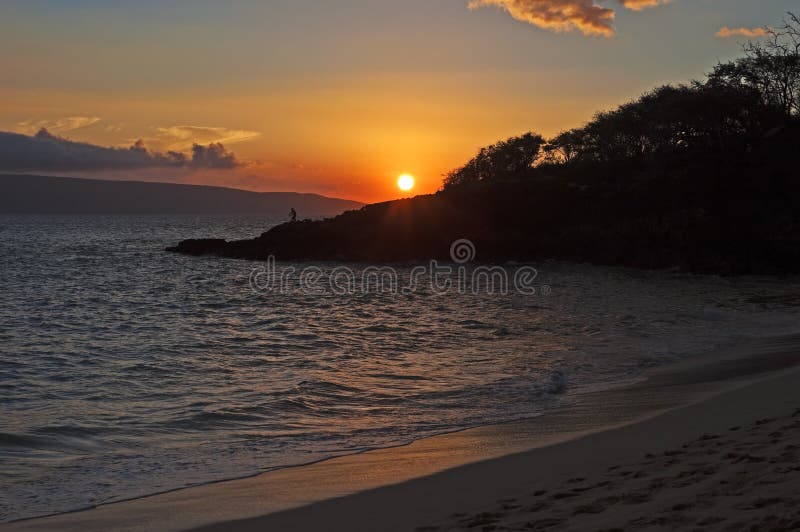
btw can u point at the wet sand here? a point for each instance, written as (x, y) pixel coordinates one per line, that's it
(703, 440)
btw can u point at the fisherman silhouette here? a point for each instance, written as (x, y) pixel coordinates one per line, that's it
(293, 215)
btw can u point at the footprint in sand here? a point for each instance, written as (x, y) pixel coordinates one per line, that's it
(594, 508)
(542, 524)
(761, 502)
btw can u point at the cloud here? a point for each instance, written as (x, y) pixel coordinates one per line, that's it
(59, 125)
(183, 137)
(638, 5)
(585, 16)
(212, 156)
(50, 153)
(557, 15)
(727, 32)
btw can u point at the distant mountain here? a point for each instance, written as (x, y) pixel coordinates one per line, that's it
(31, 194)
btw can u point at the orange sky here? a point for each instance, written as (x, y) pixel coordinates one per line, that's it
(348, 136)
(341, 98)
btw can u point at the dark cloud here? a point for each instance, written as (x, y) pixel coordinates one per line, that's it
(47, 152)
(212, 156)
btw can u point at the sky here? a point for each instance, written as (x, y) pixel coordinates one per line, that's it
(337, 97)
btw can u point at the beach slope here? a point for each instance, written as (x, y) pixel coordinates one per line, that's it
(730, 462)
(712, 445)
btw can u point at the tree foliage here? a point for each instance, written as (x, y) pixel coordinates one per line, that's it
(730, 112)
(770, 68)
(506, 160)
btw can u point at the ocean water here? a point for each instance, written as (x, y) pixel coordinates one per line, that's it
(127, 371)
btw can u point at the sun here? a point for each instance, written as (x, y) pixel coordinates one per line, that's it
(405, 182)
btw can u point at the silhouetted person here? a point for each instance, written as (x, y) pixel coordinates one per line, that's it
(293, 215)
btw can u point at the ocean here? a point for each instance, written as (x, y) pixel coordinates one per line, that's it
(126, 370)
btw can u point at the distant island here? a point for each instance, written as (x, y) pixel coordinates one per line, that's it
(702, 177)
(33, 194)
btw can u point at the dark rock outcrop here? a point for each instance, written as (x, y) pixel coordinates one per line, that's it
(725, 223)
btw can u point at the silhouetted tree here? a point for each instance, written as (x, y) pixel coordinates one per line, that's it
(564, 148)
(507, 160)
(730, 112)
(771, 68)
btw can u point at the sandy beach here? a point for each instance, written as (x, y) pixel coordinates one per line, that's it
(739, 479)
(709, 445)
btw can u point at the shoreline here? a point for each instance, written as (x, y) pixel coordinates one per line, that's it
(265, 497)
(727, 462)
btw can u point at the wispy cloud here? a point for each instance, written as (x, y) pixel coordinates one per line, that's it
(50, 153)
(586, 16)
(184, 136)
(58, 125)
(727, 32)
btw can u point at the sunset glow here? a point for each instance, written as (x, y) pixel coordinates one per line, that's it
(326, 251)
(405, 182)
(339, 99)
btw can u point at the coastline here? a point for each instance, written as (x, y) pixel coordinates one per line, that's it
(464, 471)
(726, 462)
